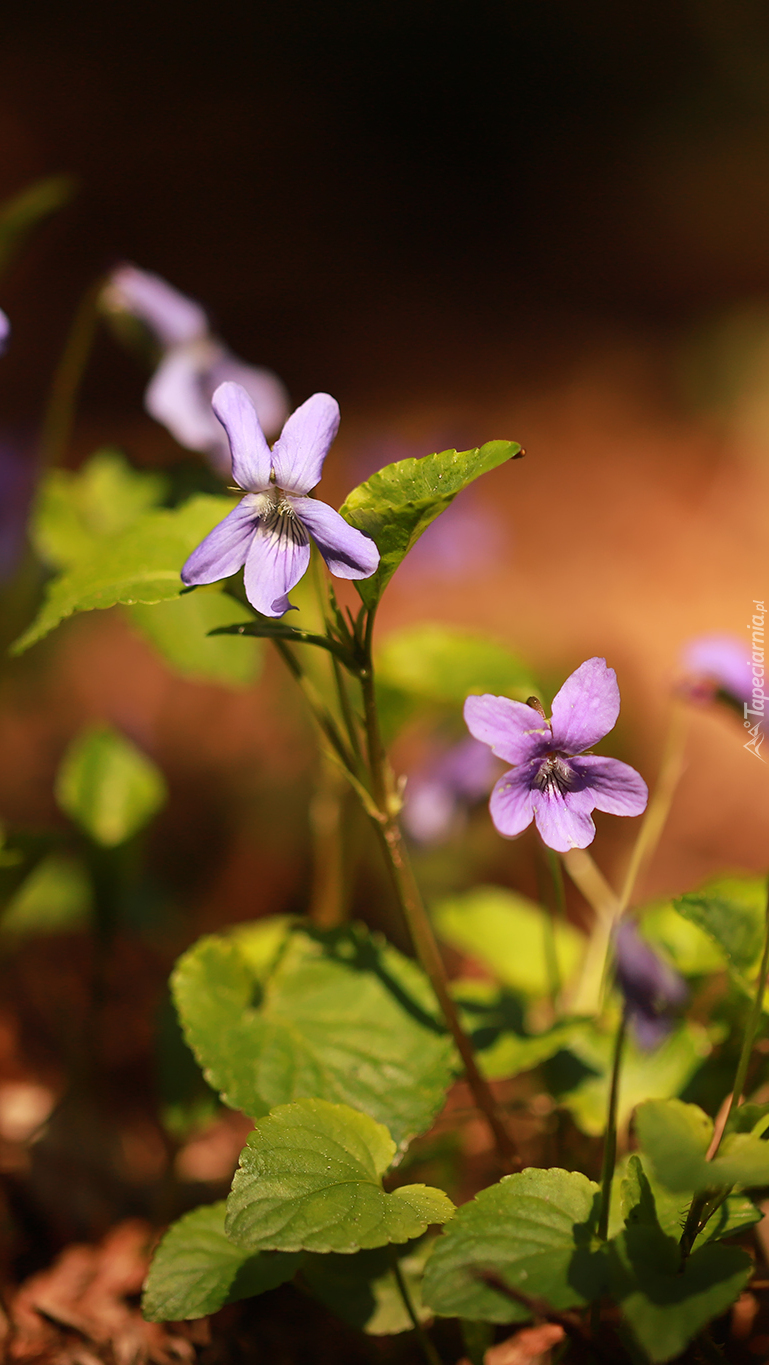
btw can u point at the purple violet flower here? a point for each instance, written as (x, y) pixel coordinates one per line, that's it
(269, 530)
(192, 366)
(653, 991)
(718, 663)
(437, 796)
(5, 331)
(554, 781)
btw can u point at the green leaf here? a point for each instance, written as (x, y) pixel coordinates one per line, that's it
(197, 1269)
(535, 1231)
(439, 663)
(274, 1014)
(731, 911)
(362, 1290)
(675, 1137)
(643, 1199)
(508, 934)
(399, 502)
(690, 949)
(495, 1021)
(186, 632)
(658, 1074)
(310, 1179)
(75, 512)
(55, 897)
(108, 786)
(666, 1304)
(141, 564)
(20, 214)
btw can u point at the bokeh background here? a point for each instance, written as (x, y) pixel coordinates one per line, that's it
(548, 222)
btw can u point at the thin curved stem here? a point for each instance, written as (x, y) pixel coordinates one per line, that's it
(68, 376)
(428, 1349)
(658, 809)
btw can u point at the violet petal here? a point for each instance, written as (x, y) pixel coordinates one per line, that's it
(174, 397)
(511, 803)
(224, 549)
(514, 731)
(304, 442)
(722, 660)
(277, 559)
(251, 459)
(348, 553)
(172, 316)
(586, 708)
(265, 390)
(563, 819)
(5, 331)
(615, 787)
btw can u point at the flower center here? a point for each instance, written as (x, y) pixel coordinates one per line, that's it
(281, 521)
(555, 774)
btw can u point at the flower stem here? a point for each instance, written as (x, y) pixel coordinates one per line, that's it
(428, 1350)
(610, 1140)
(699, 1212)
(587, 995)
(658, 809)
(68, 376)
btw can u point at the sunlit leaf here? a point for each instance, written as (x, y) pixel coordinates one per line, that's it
(440, 663)
(196, 1269)
(675, 1137)
(55, 897)
(310, 1179)
(108, 786)
(658, 1074)
(399, 502)
(75, 511)
(181, 632)
(510, 935)
(732, 912)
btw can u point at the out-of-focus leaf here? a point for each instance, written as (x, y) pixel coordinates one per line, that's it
(181, 632)
(731, 911)
(534, 1230)
(509, 935)
(399, 502)
(108, 786)
(76, 511)
(310, 1179)
(20, 214)
(362, 1290)
(141, 564)
(275, 1014)
(440, 663)
(675, 1137)
(197, 1269)
(56, 896)
(658, 1074)
(691, 950)
(495, 1021)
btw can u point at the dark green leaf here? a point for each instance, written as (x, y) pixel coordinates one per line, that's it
(399, 502)
(731, 911)
(141, 564)
(310, 1179)
(644, 1199)
(197, 1269)
(273, 1014)
(263, 628)
(495, 1020)
(362, 1290)
(108, 786)
(534, 1230)
(183, 632)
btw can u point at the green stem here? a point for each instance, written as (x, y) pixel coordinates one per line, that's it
(324, 719)
(428, 1349)
(699, 1213)
(610, 1140)
(68, 377)
(658, 809)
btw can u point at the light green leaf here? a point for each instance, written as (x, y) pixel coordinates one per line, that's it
(341, 1016)
(675, 1137)
(439, 663)
(690, 949)
(495, 1021)
(75, 511)
(665, 1304)
(180, 631)
(399, 502)
(362, 1290)
(141, 564)
(658, 1074)
(310, 1179)
(108, 786)
(731, 911)
(508, 934)
(21, 213)
(534, 1230)
(56, 896)
(197, 1269)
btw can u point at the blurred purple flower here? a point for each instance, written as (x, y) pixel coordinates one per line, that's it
(718, 664)
(5, 331)
(17, 480)
(269, 530)
(439, 794)
(193, 364)
(554, 782)
(652, 990)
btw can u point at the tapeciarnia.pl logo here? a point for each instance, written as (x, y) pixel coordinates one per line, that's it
(755, 708)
